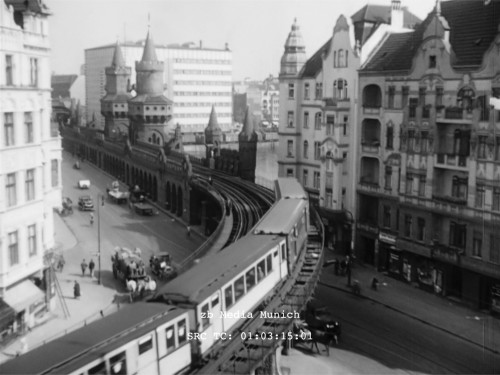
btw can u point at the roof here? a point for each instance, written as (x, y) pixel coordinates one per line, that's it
(143, 98)
(61, 85)
(149, 50)
(214, 271)
(377, 13)
(314, 65)
(136, 319)
(36, 6)
(473, 27)
(117, 57)
(286, 187)
(281, 218)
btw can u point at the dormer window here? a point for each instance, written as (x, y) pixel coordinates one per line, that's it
(432, 61)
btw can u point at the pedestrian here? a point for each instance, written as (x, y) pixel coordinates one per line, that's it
(84, 267)
(76, 290)
(91, 267)
(91, 218)
(61, 263)
(188, 231)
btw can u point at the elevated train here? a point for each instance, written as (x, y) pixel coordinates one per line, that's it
(178, 326)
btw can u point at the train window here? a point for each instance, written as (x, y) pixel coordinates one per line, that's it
(98, 370)
(170, 336)
(145, 344)
(261, 270)
(275, 254)
(215, 301)
(205, 320)
(250, 278)
(118, 364)
(239, 288)
(228, 294)
(269, 264)
(283, 252)
(181, 331)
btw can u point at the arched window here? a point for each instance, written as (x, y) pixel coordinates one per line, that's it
(317, 121)
(465, 98)
(340, 89)
(340, 58)
(334, 59)
(306, 150)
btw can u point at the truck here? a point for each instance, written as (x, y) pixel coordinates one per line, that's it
(117, 196)
(128, 264)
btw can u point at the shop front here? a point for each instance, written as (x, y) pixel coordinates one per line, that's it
(387, 252)
(337, 230)
(367, 243)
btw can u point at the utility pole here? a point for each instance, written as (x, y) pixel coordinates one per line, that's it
(99, 236)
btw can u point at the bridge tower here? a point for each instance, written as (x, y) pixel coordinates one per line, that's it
(248, 139)
(149, 111)
(213, 138)
(114, 105)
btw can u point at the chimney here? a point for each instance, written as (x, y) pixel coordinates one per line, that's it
(227, 46)
(201, 44)
(396, 14)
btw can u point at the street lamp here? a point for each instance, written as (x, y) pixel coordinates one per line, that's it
(352, 231)
(99, 198)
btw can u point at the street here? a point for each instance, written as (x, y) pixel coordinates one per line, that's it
(119, 226)
(400, 342)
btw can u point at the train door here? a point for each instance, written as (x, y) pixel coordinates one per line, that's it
(216, 312)
(283, 259)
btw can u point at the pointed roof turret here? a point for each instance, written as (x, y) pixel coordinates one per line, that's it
(294, 57)
(248, 130)
(213, 124)
(213, 131)
(149, 53)
(118, 60)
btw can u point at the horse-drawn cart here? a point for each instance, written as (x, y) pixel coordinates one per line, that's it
(161, 266)
(117, 196)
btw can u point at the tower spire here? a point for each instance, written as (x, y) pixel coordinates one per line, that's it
(118, 57)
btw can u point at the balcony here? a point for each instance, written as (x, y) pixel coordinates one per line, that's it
(449, 199)
(371, 111)
(451, 161)
(371, 147)
(449, 254)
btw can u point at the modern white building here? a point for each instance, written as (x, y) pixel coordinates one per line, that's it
(30, 164)
(196, 79)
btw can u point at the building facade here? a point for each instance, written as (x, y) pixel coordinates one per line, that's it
(428, 195)
(195, 78)
(30, 164)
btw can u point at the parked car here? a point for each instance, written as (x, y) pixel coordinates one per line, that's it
(84, 184)
(67, 206)
(85, 203)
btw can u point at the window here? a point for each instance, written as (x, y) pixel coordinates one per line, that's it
(439, 97)
(465, 98)
(118, 364)
(205, 320)
(10, 188)
(306, 91)
(98, 369)
(269, 262)
(340, 56)
(421, 185)
(9, 128)
(397, 219)
(317, 121)
(283, 252)
(496, 199)
(145, 344)
(390, 138)
(239, 288)
(33, 71)
(228, 296)
(306, 120)
(457, 234)
(170, 338)
(261, 270)
(28, 127)
(421, 96)
(181, 331)
(408, 222)
(424, 142)
(420, 229)
(390, 99)
(387, 216)
(316, 182)
(54, 168)
(404, 95)
(459, 187)
(480, 189)
(9, 69)
(388, 178)
(481, 146)
(432, 61)
(411, 140)
(340, 89)
(30, 184)
(494, 248)
(477, 244)
(409, 183)
(13, 249)
(497, 148)
(317, 150)
(306, 150)
(291, 91)
(305, 177)
(289, 172)
(32, 239)
(289, 148)
(413, 107)
(319, 90)
(250, 278)
(290, 119)
(330, 122)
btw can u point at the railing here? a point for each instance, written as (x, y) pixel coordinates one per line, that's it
(454, 113)
(371, 110)
(451, 160)
(450, 199)
(371, 147)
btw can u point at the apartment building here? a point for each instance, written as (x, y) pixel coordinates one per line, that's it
(428, 193)
(195, 78)
(30, 165)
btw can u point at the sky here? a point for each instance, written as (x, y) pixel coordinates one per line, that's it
(256, 30)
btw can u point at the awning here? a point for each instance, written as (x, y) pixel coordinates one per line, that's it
(338, 216)
(22, 295)
(7, 314)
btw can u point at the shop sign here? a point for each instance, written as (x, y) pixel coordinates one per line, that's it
(388, 238)
(368, 228)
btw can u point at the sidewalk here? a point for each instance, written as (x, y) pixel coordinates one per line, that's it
(94, 298)
(471, 325)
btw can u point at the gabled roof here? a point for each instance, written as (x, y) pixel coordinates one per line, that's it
(376, 13)
(473, 27)
(315, 63)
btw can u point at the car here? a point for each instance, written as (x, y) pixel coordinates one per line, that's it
(318, 317)
(85, 203)
(144, 209)
(84, 184)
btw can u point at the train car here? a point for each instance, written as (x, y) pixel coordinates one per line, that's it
(289, 188)
(144, 338)
(225, 287)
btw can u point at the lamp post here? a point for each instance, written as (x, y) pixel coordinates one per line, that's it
(352, 232)
(99, 236)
